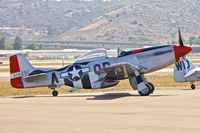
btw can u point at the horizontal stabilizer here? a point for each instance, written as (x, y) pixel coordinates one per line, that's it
(191, 72)
(35, 75)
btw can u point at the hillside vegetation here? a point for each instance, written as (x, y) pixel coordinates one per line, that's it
(121, 20)
(152, 20)
(45, 20)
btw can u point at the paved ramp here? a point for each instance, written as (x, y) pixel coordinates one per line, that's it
(165, 111)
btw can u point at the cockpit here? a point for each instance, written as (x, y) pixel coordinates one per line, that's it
(100, 54)
(94, 55)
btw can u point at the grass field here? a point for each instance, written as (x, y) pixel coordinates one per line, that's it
(159, 80)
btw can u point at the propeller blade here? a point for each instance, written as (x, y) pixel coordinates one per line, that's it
(180, 38)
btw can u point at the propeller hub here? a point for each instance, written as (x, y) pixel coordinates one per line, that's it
(179, 51)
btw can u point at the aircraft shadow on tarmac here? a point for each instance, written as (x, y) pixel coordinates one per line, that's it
(23, 97)
(111, 96)
(105, 96)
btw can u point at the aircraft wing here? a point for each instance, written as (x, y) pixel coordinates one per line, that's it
(119, 71)
(191, 72)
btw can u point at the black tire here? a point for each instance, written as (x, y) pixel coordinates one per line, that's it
(193, 86)
(152, 87)
(145, 92)
(55, 93)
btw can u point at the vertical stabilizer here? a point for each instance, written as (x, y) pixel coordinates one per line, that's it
(19, 67)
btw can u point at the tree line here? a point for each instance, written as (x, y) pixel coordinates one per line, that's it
(17, 44)
(194, 40)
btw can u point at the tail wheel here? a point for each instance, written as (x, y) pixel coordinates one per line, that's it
(152, 88)
(193, 86)
(55, 93)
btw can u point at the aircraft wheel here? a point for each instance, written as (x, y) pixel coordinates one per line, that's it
(146, 91)
(193, 86)
(55, 93)
(152, 88)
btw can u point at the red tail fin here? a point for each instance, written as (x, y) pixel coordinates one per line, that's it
(15, 75)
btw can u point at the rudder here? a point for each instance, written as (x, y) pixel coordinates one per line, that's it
(19, 68)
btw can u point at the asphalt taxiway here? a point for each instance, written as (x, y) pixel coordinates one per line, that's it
(167, 110)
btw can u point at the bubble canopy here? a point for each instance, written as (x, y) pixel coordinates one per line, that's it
(96, 54)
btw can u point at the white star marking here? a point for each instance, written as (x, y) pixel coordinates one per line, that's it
(75, 72)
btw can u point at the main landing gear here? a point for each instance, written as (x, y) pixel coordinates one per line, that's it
(150, 89)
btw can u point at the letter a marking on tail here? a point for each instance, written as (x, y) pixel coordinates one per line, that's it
(54, 78)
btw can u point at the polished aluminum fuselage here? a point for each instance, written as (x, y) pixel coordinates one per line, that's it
(149, 60)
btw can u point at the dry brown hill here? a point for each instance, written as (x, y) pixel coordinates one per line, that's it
(155, 20)
(46, 19)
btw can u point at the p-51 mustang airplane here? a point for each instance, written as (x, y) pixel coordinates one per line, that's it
(186, 71)
(96, 70)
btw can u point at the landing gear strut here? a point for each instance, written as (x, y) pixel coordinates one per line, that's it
(193, 86)
(148, 90)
